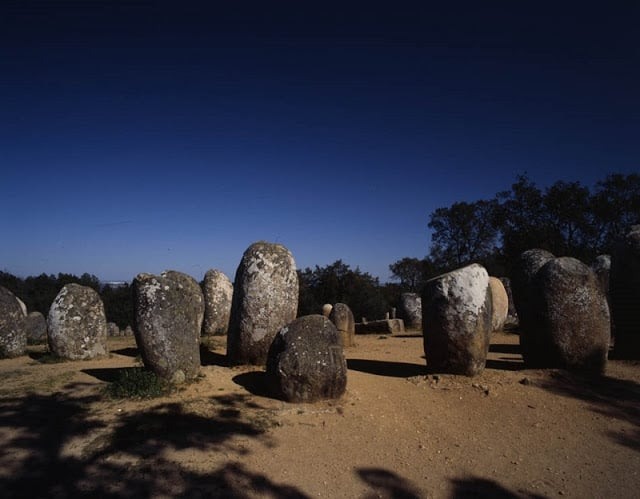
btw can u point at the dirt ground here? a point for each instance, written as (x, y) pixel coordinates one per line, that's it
(397, 433)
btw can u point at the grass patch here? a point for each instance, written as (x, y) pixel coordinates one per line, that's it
(138, 383)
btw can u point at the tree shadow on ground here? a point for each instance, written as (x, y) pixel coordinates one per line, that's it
(57, 446)
(109, 374)
(387, 484)
(505, 364)
(504, 348)
(386, 368)
(481, 488)
(611, 397)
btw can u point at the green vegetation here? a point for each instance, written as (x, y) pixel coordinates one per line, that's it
(138, 383)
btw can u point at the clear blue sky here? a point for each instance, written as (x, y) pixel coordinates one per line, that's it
(142, 136)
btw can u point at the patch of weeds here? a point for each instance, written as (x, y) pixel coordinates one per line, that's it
(138, 383)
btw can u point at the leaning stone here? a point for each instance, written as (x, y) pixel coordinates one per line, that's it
(218, 292)
(624, 292)
(342, 318)
(168, 314)
(36, 328)
(411, 311)
(326, 309)
(500, 304)
(13, 337)
(524, 295)
(456, 310)
(265, 298)
(77, 324)
(575, 329)
(306, 362)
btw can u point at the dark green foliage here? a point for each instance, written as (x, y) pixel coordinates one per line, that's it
(567, 219)
(39, 292)
(137, 383)
(338, 283)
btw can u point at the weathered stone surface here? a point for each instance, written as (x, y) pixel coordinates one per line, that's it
(265, 298)
(218, 292)
(342, 318)
(168, 312)
(524, 296)
(624, 293)
(574, 330)
(385, 326)
(500, 303)
(306, 362)
(13, 337)
(128, 331)
(35, 326)
(456, 309)
(113, 329)
(411, 311)
(326, 309)
(602, 268)
(77, 324)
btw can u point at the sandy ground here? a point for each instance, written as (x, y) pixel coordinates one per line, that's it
(397, 433)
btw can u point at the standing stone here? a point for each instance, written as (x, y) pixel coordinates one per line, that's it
(218, 292)
(624, 292)
(411, 311)
(524, 295)
(512, 315)
(574, 330)
(500, 303)
(342, 318)
(326, 309)
(169, 309)
(306, 362)
(77, 324)
(456, 310)
(35, 326)
(265, 298)
(23, 307)
(113, 329)
(13, 337)
(128, 331)
(602, 267)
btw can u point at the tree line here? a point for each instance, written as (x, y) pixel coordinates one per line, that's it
(566, 218)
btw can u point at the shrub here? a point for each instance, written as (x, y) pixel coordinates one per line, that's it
(138, 383)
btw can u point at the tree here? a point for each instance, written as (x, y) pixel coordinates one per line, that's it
(463, 233)
(412, 273)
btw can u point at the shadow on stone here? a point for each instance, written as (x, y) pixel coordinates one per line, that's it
(384, 368)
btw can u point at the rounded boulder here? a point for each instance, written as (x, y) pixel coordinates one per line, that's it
(77, 324)
(306, 362)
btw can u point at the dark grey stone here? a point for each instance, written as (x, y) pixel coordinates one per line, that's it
(169, 309)
(574, 329)
(13, 337)
(456, 309)
(411, 311)
(36, 328)
(77, 324)
(342, 318)
(624, 293)
(265, 298)
(306, 362)
(218, 292)
(524, 296)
